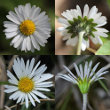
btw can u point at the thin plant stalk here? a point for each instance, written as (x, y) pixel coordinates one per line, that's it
(84, 101)
(81, 34)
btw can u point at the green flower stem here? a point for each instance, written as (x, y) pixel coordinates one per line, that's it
(81, 34)
(6, 83)
(84, 101)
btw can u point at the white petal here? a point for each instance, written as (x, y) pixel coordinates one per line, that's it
(45, 77)
(70, 72)
(85, 69)
(14, 95)
(81, 71)
(18, 42)
(35, 43)
(84, 45)
(20, 97)
(86, 10)
(40, 70)
(35, 97)
(45, 84)
(67, 78)
(38, 39)
(11, 34)
(26, 101)
(12, 29)
(42, 89)
(72, 41)
(11, 76)
(103, 73)
(15, 39)
(28, 43)
(11, 89)
(89, 68)
(99, 33)
(94, 40)
(24, 44)
(31, 99)
(8, 24)
(31, 65)
(77, 70)
(61, 29)
(79, 10)
(13, 19)
(94, 69)
(92, 12)
(36, 67)
(40, 94)
(63, 21)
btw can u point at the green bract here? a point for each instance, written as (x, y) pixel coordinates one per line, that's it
(84, 85)
(82, 24)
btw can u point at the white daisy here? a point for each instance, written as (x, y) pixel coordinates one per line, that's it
(28, 26)
(89, 23)
(85, 77)
(29, 82)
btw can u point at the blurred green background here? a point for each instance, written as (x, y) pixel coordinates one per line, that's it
(9, 5)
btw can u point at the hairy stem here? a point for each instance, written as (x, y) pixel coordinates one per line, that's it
(84, 101)
(81, 34)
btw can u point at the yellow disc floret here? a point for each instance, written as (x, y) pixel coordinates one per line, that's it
(25, 84)
(27, 27)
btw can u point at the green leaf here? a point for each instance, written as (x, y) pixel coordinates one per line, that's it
(67, 98)
(104, 49)
(103, 85)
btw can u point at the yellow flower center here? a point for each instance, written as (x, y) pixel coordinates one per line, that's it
(25, 84)
(27, 27)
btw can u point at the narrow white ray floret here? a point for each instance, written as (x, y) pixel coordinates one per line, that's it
(88, 22)
(85, 75)
(29, 28)
(29, 82)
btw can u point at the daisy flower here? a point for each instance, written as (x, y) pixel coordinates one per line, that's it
(85, 77)
(86, 25)
(28, 82)
(28, 27)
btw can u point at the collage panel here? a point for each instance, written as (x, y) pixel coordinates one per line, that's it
(82, 83)
(82, 27)
(54, 55)
(27, 27)
(27, 82)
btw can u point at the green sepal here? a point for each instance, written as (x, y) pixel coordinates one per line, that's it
(70, 31)
(73, 35)
(70, 22)
(86, 38)
(69, 27)
(80, 24)
(84, 85)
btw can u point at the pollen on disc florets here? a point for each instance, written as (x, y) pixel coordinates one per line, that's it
(27, 27)
(81, 24)
(25, 84)
(84, 85)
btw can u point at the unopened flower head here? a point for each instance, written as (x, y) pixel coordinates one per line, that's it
(28, 26)
(28, 82)
(89, 23)
(85, 76)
